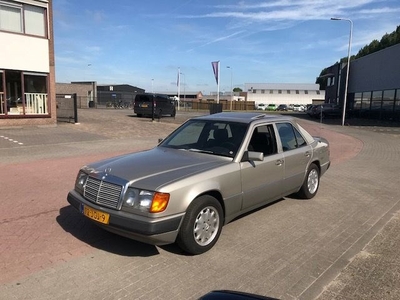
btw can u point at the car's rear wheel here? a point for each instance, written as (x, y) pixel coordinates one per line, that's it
(201, 226)
(311, 183)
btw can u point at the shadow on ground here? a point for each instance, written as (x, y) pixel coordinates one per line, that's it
(86, 231)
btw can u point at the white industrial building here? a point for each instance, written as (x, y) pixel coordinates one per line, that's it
(284, 93)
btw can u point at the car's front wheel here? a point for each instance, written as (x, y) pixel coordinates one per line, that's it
(201, 226)
(311, 183)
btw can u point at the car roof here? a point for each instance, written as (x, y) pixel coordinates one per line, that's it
(244, 117)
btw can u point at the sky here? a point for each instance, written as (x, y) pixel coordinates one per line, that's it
(146, 43)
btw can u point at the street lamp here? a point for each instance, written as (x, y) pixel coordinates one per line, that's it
(152, 84)
(228, 67)
(184, 89)
(348, 66)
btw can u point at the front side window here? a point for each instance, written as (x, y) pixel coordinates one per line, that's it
(263, 140)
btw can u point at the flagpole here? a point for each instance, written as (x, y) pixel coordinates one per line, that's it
(219, 79)
(179, 88)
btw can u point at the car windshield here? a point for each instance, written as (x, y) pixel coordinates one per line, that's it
(207, 136)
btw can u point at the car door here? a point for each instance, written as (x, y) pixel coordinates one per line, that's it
(296, 155)
(261, 180)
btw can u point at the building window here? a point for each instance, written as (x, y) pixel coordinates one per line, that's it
(26, 19)
(388, 100)
(10, 17)
(366, 100)
(271, 91)
(26, 93)
(357, 100)
(306, 92)
(288, 91)
(279, 91)
(2, 98)
(297, 92)
(254, 91)
(34, 20)
(376, 102)
(397, 103)
(262, 91)
(318, 92)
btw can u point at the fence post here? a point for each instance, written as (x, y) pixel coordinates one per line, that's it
(75, 108)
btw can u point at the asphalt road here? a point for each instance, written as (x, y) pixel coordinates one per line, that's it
(343, 244)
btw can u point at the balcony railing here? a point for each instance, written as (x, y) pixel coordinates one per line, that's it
(36, 103)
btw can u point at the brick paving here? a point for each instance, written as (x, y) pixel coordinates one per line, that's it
(340, 245)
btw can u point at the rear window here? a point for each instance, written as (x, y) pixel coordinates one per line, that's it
(142, 98)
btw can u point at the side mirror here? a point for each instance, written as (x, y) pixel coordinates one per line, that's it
(253, 156)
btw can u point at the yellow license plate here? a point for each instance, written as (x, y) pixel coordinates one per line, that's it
(96, 215)
(144, 105)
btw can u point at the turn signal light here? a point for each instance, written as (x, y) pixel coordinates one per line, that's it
(160, 202)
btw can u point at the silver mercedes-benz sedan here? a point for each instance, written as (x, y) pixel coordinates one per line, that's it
(207, 172)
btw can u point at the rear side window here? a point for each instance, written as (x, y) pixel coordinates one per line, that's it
(290, 137)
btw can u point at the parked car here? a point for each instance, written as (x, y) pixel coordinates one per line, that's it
(260, 106)
(163, 105)
(271, 107)
(282, 107)
(326, 110)
(309, 110)
(205, 174)
(298, 107)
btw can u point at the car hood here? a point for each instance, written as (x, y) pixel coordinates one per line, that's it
(157, 167)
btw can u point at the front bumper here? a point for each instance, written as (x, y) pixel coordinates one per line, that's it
(160, 231)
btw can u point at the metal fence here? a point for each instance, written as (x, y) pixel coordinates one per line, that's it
(67, 108)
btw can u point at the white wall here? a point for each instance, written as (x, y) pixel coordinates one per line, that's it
(25, 53)
(285, 98)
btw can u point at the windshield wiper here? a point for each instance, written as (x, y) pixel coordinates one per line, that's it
(198, 150)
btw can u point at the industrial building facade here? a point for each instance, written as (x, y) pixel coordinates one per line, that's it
(284, 93)
(373, 87)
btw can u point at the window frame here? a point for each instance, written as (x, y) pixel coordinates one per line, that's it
(23, 9)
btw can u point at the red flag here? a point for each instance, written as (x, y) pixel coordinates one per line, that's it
(215, 66)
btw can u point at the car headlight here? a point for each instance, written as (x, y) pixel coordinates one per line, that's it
(146, 201)
(80, 182)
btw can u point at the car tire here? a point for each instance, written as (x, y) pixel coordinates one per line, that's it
(311, 183)
(201, 226)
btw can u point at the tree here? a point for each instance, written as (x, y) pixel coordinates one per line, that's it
(237, 90)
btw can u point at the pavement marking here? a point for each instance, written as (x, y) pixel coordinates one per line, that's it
(10, 140)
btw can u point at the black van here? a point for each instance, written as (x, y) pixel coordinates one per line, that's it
(163, 105)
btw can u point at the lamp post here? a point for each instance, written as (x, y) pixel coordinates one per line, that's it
(348, 66)
(184, 89)
(152, 84)
(228, 67)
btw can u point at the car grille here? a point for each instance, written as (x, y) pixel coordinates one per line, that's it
(102, 193)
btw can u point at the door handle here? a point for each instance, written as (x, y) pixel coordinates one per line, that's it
(308, 154)
(279, 162)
